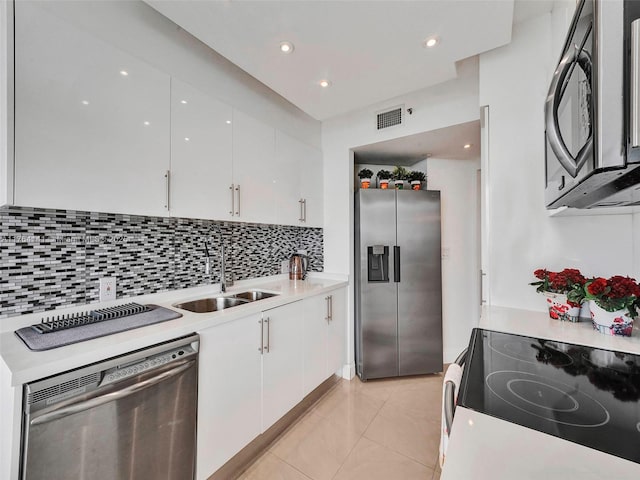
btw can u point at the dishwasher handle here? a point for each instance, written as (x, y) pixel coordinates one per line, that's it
(109, 397)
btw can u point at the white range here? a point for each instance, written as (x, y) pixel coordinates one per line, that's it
(485, 447)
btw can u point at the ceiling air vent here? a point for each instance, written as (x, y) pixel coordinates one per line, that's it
(389, 118)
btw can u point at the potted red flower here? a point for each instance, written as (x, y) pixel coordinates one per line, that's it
(613, 304)
(564, 292)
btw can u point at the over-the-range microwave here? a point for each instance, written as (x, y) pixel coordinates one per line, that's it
(592, 111)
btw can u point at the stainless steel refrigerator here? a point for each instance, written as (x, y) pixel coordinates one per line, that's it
(398, 283)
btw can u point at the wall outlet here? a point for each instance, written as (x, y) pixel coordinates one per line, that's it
(284, 266)
(107, 289)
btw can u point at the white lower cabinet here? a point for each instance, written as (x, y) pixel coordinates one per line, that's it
(336, 330)
(229, 391)
(282, 371)
(324, 326)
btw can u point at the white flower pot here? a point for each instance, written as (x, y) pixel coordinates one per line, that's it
(559, 308)
(611, 323)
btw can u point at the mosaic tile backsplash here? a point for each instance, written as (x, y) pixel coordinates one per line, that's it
(54, 258)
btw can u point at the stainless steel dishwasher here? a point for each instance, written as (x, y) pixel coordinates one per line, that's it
(131, 417)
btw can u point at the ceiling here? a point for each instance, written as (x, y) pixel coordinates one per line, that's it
(370, 51)
(444, 143)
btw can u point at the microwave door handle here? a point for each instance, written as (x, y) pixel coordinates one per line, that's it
(569, 163)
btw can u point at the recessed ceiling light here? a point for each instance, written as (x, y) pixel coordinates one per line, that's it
(184, 102)
(147, 123)
(467, 146)
(124, 73)
(325, 83)
(228, 122)
(186, 139)
(286, 47)
(85, 102)
(431, 42)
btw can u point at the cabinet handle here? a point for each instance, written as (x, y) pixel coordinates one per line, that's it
(233, 199)
(266, 348)
(328, 317)
(238, 210)
(261, 335)
(167, 183)
(300, 217)
(304, 209)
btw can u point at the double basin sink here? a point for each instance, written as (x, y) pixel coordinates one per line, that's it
(214, 304)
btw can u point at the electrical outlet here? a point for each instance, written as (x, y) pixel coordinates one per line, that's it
(284, 266)
(107, 289)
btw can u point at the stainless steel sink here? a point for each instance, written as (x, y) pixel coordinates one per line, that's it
(206, 305)
(254, 295)
(214, 304)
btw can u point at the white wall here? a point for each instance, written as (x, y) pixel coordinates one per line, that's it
(444, 105)
(513, 82)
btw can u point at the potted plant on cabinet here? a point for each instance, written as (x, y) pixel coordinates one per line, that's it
(399, 175)
(383, 177)
(416, 178)
(365, 177)
(613, 303)
(564, 291)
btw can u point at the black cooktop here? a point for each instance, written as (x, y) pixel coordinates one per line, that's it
(585, 395)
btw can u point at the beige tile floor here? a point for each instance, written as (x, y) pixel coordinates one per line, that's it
(381, 429)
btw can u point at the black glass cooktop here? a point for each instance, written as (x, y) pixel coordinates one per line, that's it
(581, 394)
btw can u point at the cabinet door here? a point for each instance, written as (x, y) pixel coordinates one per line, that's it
(337, 326)
(91, 121)
(201, 143)
(289, 155)
(316, 323)
(282, 370)
(229, 388)
(253, 169)
(311, 186)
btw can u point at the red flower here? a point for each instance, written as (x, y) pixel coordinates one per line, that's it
(597, 286)
(621, 287)
(540, 273)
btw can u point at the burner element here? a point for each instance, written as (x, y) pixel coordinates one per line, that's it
(542, 395)
(526, 350)
(547, 399)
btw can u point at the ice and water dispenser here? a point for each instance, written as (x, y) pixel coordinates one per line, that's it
(378, 263)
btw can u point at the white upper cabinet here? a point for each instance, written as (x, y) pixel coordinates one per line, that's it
(201, 154)
(254, 170)
(299, 181)
(91, 121)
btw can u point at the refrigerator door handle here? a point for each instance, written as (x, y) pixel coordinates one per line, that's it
(396, 263)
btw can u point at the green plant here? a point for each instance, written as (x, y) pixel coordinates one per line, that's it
(415, 175)
(365, 173)
(615, 293)
(384, 174)
(399, 173)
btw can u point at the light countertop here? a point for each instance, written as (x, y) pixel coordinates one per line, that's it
(25, 365)
(482, 447)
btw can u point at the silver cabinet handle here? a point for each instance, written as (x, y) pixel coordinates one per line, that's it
(260, 348)
(635, 83)
(328, 317)
(238, 203)
(569, 163)
(267, 346)
(167, 182)
(233, 199)
(331, 307)
(304, 209)
(300, 217)
(112, 396)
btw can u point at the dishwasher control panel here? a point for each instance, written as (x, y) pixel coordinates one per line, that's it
(122, 372)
